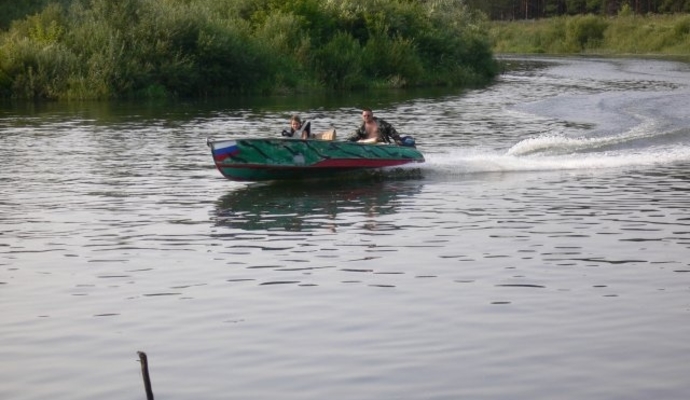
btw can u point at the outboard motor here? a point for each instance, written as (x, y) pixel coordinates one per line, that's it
(407, 141)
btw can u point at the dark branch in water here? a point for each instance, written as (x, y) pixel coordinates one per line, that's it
(145, 374)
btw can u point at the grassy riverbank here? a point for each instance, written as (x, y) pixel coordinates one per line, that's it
(98, 49)
(625, 34)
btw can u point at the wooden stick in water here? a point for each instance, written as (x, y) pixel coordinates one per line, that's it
(145, 373)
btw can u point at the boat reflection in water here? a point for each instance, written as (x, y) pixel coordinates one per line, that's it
(314, 205)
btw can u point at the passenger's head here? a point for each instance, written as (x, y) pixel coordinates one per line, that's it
(367, 114)
(295, 122)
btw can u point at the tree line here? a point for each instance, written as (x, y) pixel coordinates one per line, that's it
(494, 9)
(535, 9)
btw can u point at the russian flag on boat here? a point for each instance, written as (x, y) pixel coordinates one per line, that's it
(225, 149)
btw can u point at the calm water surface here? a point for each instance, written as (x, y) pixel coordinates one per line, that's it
(542, 251)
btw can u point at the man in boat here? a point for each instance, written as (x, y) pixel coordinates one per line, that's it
(299, 127)
(374, 130)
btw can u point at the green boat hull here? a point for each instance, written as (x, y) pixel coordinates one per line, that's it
(289, 159)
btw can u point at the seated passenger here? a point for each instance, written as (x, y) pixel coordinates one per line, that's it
(303, 129)
(374, 130)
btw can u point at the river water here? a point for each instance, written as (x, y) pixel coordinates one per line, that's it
(541, 252)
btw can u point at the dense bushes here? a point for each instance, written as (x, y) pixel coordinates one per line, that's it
(153, 48)
(585, 31)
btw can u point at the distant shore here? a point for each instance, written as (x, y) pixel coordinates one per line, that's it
(629, 35)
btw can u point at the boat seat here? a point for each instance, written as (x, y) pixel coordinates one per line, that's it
(325, 135)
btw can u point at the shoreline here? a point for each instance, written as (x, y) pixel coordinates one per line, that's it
(594, 35)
